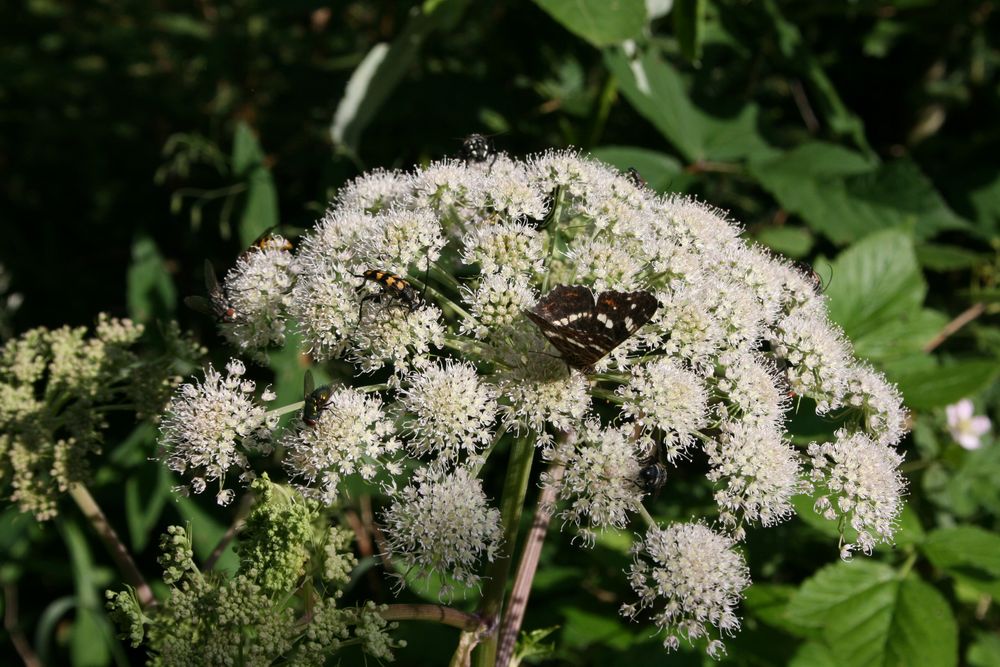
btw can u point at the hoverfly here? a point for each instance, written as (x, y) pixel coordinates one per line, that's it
(215, 305)
(636, 179)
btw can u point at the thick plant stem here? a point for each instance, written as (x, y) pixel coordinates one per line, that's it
(119, 553)
(431, 612)
(527, 567)
(514, 489)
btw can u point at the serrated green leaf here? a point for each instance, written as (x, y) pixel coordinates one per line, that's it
(260, 208)
(769, 604)
(600, 22)
(874, 282)
(837, 195)
(150, 289)
(655, 89)
(663, 172)
(967, 553)
(834, 585)
(870, 618)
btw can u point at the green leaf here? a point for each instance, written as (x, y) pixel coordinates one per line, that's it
(600, 22)
(583, 628)
(89, 640)
(260, 209)
(984, 652)
(941, 257)
(382, 69)
(144, 503)
(934, 385)
(794, 242)
(663, 172)
(875, 282)
(150, 290)
(844, 196)
(769, 603)
(656, 91)
(871, 618)
(813, 654)
(689, 20)
(968, 553)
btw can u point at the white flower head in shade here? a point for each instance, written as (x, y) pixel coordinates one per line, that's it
(692, 580)
(390, 332)
(880, 404)
(752, 389)
(452, 410)
(817, 357)
(664, 396)
(859, 482)
(598, 489)
(442, 523)
(965, 427)
(756, 473)
(211, 427)
(258, 289)
(497, 303)
(510, 247)
(351, 436)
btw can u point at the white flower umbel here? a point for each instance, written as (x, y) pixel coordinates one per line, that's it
(452, 410)
(497, 304)
(210, 427)
(756, 473)
(752, 389)
(258, 289)
(599, 488)
(442, 523)
(859, 482)
(879, 402)
(816, 356)
(351, 436)
(398, 238)
(509, 248)
(389, 332)
(691, 579)
(664, 396)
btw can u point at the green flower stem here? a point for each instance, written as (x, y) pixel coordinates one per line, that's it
(119, 553)
(284, 410)
(434, 613)
(646, 516)
(514, 489)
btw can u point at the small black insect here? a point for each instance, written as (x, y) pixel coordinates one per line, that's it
(393, 287)
(811, 275)
(215, 305)
(584, 331)
(478, 148)
(635, 178)
(316, 400)
(652, 477)
(550, 209)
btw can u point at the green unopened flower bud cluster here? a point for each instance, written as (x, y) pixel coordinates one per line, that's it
(55, 386)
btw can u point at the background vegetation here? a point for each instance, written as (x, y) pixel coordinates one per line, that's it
(138, 139)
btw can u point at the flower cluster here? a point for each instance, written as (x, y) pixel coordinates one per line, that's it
(213, 426)
(422, 279)
(55, 385)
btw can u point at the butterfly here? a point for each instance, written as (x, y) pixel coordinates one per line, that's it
(585, 330)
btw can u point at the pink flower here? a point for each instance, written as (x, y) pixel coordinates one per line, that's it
(965, 428)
